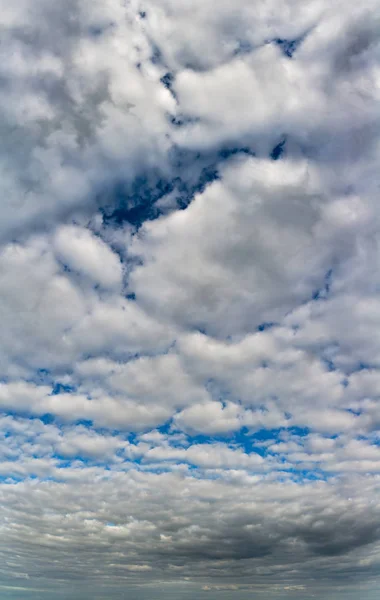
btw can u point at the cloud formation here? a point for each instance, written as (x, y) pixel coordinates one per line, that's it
(189, 276)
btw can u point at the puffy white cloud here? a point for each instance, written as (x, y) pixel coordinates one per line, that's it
(83, 252)
(77, 113)
(243, 252)
(200, 37)
(211, 418)
(51, 318)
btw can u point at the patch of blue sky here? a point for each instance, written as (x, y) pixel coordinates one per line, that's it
(62, 388)
(17, 413)
(263, 436)
(47, 418)
(305, 476)
(374, 438)
(360, 365)
(191, 171)
(289, 47)
(43, 374)
(134, 203)
(250, 442)
(12, 479)
(181, 120)
(323, 292)
(16, 477)
(278, 150)
(365, 366)
(100, 29)
(354, 411)
(329, 363)
(44, 377)
(79, 460)
(266, 325)
(167, 80)
(156, 55)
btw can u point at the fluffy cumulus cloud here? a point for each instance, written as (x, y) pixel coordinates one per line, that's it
(189, 304)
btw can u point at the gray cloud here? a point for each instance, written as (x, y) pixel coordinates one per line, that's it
(167, 526)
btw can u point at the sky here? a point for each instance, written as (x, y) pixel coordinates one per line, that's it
(189, 300)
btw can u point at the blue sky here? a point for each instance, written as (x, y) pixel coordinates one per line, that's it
(189, 300)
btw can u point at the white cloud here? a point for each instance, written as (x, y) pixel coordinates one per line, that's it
(67, 107)
(83, 252)
(210, 417)
(242, 253)
(198, 35)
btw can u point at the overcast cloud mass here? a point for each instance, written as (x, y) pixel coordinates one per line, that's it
(189, 299)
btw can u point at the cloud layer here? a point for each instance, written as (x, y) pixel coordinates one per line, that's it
(189, 276)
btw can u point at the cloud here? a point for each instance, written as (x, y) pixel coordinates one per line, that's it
(234, 252)
(185, 521)
(67, 110)
(82, 252)
(189, 260)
